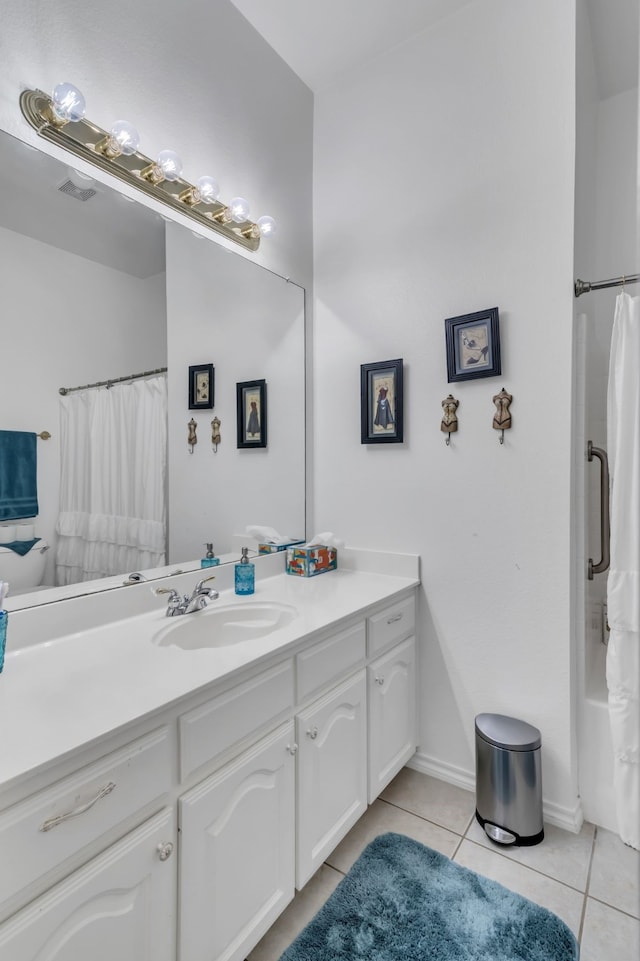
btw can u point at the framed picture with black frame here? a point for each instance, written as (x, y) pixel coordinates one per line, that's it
(473, 345)
(201, 387)
(381, 402)
(251, 403)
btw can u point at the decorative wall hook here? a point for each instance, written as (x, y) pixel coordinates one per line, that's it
(502, 417)
(192, 439)
(449, 423)
(215, 433)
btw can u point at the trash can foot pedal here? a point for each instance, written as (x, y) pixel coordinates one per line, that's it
(499, 834)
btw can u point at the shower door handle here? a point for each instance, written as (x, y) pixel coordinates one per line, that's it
(605, 529)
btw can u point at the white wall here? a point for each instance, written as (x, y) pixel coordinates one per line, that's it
(443, 184)
(60, 329)
(192, 76)
(248, 323)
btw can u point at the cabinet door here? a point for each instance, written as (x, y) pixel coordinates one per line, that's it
(392, 714)
(332, 772)
(237, 851)
(120, 905)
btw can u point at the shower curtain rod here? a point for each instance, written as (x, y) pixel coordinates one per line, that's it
(584, 286)
(115, 380)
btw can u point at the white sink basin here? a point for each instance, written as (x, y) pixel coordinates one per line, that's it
(220, 626)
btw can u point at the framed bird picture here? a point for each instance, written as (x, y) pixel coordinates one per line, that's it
(473, 345)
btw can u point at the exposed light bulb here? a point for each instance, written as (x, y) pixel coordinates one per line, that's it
(125, 136)
(68, 102)
(266, 226)
(239, 210)
(208, 189)
(170, 164)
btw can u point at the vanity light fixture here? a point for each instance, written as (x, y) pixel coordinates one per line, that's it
(60, 119)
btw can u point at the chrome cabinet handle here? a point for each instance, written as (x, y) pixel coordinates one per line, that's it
(164, 850)
(312, 733)
(396, 617)
(292, 748)
(379, 680)
(55, 821)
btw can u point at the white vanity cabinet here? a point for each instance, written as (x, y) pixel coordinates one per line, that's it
(183, 835)
(391, 688)
(391, 682)
(119, 905)
(237, 833)
(332, 772)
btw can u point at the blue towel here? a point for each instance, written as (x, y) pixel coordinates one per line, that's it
(18, 465)
(21, 547)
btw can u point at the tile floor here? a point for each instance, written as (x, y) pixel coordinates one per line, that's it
(591, 880)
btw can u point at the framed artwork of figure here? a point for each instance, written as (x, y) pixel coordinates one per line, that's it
(381, 403)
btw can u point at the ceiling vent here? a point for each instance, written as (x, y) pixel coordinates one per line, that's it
(80, 193)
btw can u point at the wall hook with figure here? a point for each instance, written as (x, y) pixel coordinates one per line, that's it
(449, 423)
(502, 417)
(215, 433)
(192, 438)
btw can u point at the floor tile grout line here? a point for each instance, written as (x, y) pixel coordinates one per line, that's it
(613, 907)
(528, 867)
(436, 824)
(587, 886)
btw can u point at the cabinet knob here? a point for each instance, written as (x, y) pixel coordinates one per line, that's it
(379, 680)
(312, 733)
(164, 850)
(292, 748)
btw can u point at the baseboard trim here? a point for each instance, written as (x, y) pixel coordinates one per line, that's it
(567, 818)
(443, 771)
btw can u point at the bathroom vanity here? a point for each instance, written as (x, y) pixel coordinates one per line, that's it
(167, 783)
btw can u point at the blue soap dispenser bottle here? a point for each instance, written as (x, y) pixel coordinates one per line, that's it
(245, 574)
(210, 560)
(4, 617)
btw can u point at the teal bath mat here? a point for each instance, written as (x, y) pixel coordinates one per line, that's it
(401, 901)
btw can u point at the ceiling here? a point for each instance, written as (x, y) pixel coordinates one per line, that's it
(321, 39)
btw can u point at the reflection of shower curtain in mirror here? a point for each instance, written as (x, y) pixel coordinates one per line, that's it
(623, 586)
(112, 480)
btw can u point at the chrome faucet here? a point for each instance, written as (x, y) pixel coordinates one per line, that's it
(189, 603)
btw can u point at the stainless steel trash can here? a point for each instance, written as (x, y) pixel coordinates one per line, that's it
(508, 779)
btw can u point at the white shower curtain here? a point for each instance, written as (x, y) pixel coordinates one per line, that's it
(112, 480)
(623, 586)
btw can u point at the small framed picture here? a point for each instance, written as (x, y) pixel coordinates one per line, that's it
(473, 345)
(251, 400)
(201, 387)
(381, 402)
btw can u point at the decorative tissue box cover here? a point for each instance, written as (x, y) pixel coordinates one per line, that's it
(275, 548)
(308, 561)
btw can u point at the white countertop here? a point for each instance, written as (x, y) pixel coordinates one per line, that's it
(61, 694)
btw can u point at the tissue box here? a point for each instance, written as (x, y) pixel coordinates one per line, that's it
(308, 561)
(275, 548)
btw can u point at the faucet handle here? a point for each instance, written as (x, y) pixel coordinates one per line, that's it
(165, 590)
(204, 580)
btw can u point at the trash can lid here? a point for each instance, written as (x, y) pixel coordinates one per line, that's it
(508, 732)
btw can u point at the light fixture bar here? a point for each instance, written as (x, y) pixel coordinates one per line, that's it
(82, 137)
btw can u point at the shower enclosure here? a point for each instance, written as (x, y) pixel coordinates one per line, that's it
(606, 246)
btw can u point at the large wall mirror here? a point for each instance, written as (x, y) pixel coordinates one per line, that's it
(94, 287)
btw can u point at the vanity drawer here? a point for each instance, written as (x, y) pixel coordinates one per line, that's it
(41, 832)
(208, 730)
(391, 625)
(330, 660)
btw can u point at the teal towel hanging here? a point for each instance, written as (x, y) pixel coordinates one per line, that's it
(18, 467)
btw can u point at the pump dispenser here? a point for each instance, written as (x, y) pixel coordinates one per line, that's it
(245, 576)
(210, 560)
(4, 587)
